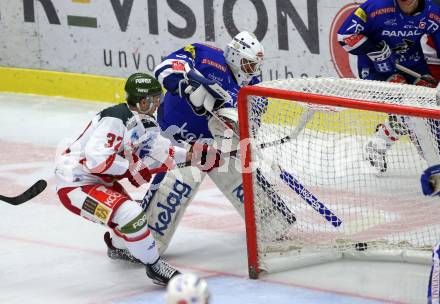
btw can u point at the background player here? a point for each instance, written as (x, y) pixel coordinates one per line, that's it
(192, 76)
(382, 33)
(430, 181)
(430, 53)
(87, 173)
(187, 288)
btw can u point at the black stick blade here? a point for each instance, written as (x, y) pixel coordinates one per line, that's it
(29, 194)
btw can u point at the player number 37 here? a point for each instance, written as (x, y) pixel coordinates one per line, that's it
(113, 140)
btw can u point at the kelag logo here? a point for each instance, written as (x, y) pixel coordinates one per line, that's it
(340, 57)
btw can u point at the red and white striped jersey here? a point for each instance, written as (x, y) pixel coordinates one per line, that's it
(103, 151)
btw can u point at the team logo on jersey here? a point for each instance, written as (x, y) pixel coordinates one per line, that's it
(178, 66)
(391, 21)
(340, 57)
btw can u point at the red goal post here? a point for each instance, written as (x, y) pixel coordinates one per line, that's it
(328, 196)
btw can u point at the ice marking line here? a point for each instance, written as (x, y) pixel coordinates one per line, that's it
(205, 270)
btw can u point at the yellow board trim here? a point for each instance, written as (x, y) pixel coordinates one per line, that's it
(70, 85)
(350, 121)
(108, 89)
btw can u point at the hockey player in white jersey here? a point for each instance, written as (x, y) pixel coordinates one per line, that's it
(122, 141)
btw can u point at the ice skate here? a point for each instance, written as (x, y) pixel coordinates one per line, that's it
(117, 253)
(161, 272)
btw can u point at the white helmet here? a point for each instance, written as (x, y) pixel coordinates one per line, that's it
(187, 288)
(244, 56)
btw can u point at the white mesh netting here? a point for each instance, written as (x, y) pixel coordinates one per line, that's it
(318, 196)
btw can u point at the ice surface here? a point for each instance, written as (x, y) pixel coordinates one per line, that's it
(48, 255)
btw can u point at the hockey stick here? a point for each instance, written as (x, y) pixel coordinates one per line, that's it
(29, 194)
(305, 117)
(310, 199)
(415, 74)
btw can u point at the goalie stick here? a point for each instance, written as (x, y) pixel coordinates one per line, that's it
(289, 179)
(305, 116)
(307, 196)
(29, 194)
(293, 182)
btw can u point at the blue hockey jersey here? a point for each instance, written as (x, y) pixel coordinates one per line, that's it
(174, 113)
(382, 20)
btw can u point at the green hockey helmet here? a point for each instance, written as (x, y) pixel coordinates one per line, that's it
(139, 86)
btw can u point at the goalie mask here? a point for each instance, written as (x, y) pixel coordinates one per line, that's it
(140, 86)
(244, 56)
(187, 288)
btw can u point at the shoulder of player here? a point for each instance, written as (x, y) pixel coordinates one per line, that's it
(378, 4)
(433, 10)
(119, 111)
(194, 50)
(210, 57)
(371, 9)
(207, 47)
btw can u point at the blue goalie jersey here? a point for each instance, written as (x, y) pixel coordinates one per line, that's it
(175, 113)
(382, 20)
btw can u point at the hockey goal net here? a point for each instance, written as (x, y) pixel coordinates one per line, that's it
(311, 193)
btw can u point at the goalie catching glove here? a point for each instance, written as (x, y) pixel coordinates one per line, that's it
(203, 94)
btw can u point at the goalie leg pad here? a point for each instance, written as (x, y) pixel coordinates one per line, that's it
(130, 222)
(167, 200)
(230, 183)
